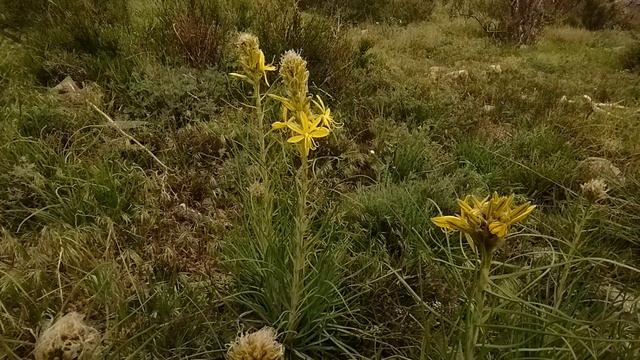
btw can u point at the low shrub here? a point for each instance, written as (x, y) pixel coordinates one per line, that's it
(280, 25)
(631, 57)
(173, 98)
(598, 14)
(518, 21)
(401, 11)
(84, 26)
(195, 30)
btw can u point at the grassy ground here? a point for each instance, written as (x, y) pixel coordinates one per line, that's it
(160, 252)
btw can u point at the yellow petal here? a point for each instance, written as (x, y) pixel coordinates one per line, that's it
(477, 203)
(295, 127)
(452, 223)
(279, 125)
(521, 212)
(467, 212)
(320, 132)
(313, 121)
(308, 144)
(295, 139)
(502, 203)
(498, 229)
(261, 60)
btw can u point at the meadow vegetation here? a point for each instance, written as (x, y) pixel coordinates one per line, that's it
(178, 184)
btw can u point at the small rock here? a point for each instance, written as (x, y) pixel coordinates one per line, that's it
(599, 168)
(460, 74)
(488, 108)
(66, 86)
(627, 302)
(436, 71)
(495, 68)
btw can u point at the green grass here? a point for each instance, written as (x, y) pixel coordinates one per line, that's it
(166, 263)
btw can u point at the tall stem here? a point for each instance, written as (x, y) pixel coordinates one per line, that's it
(264, 225)
(476, 307)
(260, 116)
(574, 245)
(299, 249)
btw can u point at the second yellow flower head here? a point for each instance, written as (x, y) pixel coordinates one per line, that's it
(251, 59)
(485, 222)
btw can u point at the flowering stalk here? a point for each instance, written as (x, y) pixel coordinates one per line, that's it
(306, 126)
(485, 223)
(299, 249)
(253, 69)
(476, 307)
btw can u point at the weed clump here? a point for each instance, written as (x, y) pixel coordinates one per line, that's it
(281, 25)
(518, 21)
(195, 31)
(67, 339)
(392, 11)
(595, 190)
(631, 57)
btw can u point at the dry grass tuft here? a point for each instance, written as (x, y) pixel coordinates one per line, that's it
(595, 190)
(259, 345)
(69, 338)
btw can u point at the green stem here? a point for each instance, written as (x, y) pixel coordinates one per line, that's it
(575, 244)
(476, 307)
(260, 116)
(299, 250)
(265, 224)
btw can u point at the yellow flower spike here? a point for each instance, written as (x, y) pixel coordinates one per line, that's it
(251, 59)
(295, 76)
(305, 125)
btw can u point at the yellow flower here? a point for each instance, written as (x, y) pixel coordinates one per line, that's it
(324, 113)
(486, 221)
(498, 229)
(262, 67)
(286, 120)
(306, 132)
(306, 124)
(251, 59)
